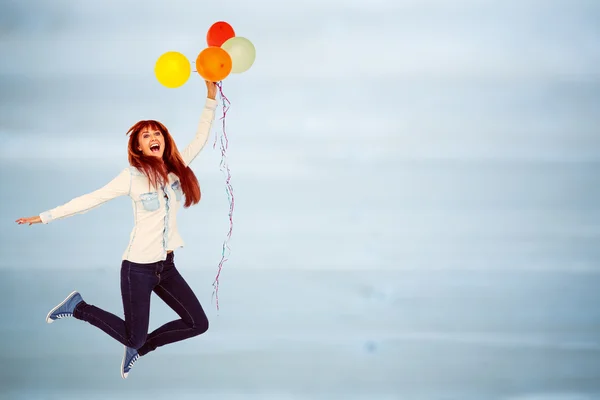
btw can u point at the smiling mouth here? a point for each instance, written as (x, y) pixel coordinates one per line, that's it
(155, 148)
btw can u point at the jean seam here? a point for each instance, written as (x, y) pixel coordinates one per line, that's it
(131, 316)
(103, 323)
(164, 333)
(181, 304)
(184, 308)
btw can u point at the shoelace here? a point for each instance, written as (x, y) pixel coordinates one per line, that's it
(63, 315)
(133, 360)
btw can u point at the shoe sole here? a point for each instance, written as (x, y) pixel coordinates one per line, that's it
(48, 319)
(123, 374)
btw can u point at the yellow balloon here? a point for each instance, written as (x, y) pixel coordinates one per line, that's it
(172, 69)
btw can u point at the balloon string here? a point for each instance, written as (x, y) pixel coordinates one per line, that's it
(224, 142)
(226, 104)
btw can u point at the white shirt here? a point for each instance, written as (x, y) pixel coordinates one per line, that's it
(155, 209)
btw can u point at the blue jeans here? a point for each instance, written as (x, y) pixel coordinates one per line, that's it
(138, 281)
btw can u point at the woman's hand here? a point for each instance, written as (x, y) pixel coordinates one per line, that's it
(30, 220)
(212, 90)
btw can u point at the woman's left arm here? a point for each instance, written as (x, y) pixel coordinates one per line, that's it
(206, 120)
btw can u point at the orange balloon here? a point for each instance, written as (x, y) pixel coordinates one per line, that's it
(213, 64)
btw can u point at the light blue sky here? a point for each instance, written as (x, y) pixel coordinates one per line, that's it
(331, 78)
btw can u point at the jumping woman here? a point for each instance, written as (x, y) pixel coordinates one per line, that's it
(158, 181)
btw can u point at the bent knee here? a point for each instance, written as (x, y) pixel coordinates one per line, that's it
(135, 342)
(200, 325)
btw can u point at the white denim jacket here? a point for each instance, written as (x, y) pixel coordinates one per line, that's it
(155, 211)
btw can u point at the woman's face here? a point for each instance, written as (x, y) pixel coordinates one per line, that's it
(151, 142)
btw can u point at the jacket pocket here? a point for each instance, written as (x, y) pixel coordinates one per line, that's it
(176, 186)
(150, 201)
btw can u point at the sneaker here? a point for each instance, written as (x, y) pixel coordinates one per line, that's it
(129, 358)
(64, 309)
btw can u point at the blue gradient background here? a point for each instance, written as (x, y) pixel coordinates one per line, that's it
(417, 198)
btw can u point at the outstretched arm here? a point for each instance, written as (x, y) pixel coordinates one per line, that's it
(119, 186)
(206, 120)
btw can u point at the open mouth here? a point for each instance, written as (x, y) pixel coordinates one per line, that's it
(155, 148)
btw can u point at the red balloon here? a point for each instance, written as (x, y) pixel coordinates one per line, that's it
(219, 33)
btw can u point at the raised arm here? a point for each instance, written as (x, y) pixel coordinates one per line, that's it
(119, 186)
(206, 120)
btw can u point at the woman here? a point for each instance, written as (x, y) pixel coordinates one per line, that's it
(157, 181)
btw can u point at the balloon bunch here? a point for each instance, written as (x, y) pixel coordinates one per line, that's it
(226, 53)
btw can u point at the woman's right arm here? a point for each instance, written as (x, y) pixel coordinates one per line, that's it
(119, 186)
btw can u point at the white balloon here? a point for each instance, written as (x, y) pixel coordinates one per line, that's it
(242, 53)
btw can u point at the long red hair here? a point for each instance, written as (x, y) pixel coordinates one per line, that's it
(157, 170)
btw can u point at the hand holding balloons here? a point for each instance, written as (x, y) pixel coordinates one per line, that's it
(211, 90)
